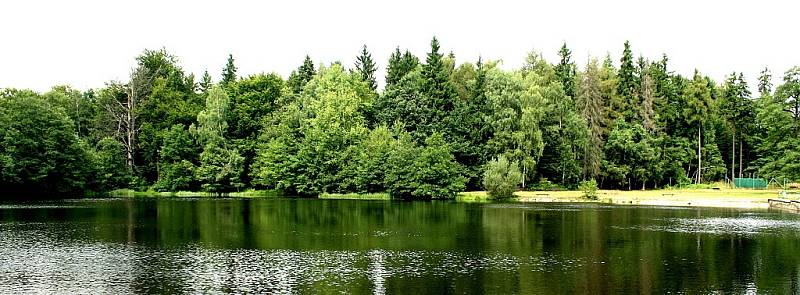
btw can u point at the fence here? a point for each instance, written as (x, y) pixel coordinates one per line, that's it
(756, 183)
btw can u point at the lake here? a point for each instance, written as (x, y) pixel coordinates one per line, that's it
(184, 245)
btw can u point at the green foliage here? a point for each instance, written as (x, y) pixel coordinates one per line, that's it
(369, 163)
(515, 118)
(229, 72)
(424, 172)
(178, 155)
(565, 71)
(205, 82)
(366, 68)
(112, 172)
(40, 152)
(298, 79)
(590, 106)
(308, 149)
(221, 167)
(177, 176)
(564, 132)
(629, 156)
(589, 188)
(627, 85)
(399, 65)
(502, 177)
(428, 134)
(252, 99)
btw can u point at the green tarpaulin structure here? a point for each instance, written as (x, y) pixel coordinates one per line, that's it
(757, 183)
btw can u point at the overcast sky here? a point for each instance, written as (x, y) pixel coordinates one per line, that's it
(87, 43)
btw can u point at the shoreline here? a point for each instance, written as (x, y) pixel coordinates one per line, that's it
(721, 198)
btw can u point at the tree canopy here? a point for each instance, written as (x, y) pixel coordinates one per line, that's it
(439, 125)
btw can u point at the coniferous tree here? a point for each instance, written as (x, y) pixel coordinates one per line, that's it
(590, 106)
(627, 86)
(229, 72)
(789, 93)
(765, 82)
(647, 94)
(565, 70)
(439, 95)
(613, 102)
(205, 82)
(299, 78)
(399, 65)
(366, 68)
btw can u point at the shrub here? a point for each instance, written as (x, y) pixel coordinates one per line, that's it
(501, 177)
(589, 189)
(423, 172)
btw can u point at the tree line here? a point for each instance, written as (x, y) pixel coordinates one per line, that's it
(435, 128)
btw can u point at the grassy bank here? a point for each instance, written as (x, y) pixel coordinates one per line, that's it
(728, 198)
(724, 197)
(375, 196)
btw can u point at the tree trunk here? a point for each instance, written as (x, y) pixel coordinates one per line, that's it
(130, 137)
(733, 157)
(524, 172)
(740, 158)
(699, 155)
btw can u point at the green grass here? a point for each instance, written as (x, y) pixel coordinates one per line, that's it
(354, 196)
(474, 197)
(723, 197)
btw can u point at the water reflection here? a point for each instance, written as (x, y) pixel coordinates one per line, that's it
(329, 246)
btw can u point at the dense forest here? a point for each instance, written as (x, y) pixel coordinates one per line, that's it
(436, 128)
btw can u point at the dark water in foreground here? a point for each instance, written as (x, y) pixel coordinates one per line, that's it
(328, 246)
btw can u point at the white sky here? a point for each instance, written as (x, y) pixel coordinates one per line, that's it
(86, 43)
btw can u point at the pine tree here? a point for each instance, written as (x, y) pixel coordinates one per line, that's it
(648, 100)
(300, 77)
(229, 72)
(472, 126)
(765, 82)
(399, 65)
(366, 68)
(565, 71)
(440, 96)
(614, 104)
(590, 106)
(205, 83)
(627, 82)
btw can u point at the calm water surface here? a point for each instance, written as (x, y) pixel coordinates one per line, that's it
(305, 246)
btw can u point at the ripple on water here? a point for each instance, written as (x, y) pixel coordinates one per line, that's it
(747, 224)
(38, 259)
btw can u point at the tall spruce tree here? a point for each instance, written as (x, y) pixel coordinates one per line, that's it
(399, 65)
(229, 72)
(205, 82)
(565, 71)
(439, 95)
(366, 68)
(765, 82)
(590, 105)
(627, 86)
(614, 103)
(300, 77)
(647, 96)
